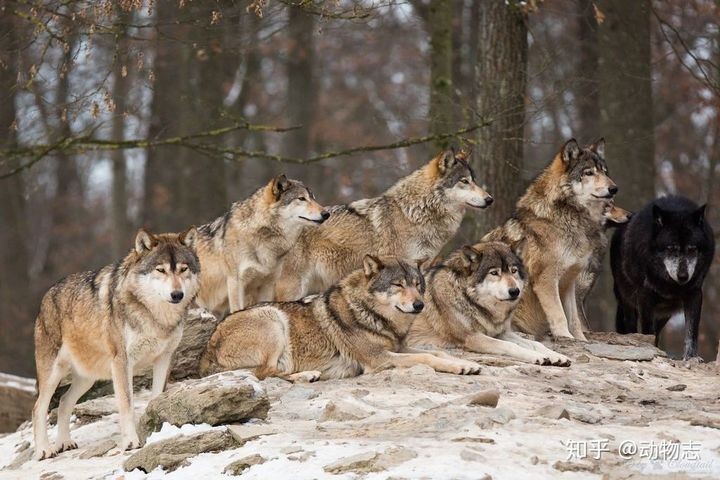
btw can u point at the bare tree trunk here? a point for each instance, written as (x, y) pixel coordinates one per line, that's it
(440, 18)
(586, 91)
(302, 89)
(15, 288)
(119, 208)
(626, 98)
(500, 81)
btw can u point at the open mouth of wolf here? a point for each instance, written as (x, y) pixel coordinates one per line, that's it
(319, 220)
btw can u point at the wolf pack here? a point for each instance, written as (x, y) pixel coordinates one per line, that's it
(306, 292)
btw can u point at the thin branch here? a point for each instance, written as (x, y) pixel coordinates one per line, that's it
(85, 143)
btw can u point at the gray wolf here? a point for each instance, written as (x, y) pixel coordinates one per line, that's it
(469, 304)
(412, 220)
(108, 323)
(240, 251)
(613, 217)
(357, 326)
(555, 231)
(659, 261)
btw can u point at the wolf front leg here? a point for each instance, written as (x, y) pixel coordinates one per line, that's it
(236, 292)
(692, 308)
(556, 358)
(122, 384)
(480, 343)
(570, 307)
(547, 291)
(407, 360)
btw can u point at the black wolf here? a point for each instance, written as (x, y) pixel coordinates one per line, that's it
(659, 261)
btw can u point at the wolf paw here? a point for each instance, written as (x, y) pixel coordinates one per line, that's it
(306, 377)
(129, 443)
(465, 367)
(65, 446)
(44, 454)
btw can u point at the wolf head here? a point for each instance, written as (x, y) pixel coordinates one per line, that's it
(394, 284)
(679, 238)
(490, 270)
(586, 172)
(615, 216)
(294, 202)
(453, 176)
(166, 266)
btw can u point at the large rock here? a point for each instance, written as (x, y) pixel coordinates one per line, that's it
(198, 328)
(172, 452)
(17, 397)
(227, 397)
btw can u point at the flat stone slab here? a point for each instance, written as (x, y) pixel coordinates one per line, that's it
(638, 353)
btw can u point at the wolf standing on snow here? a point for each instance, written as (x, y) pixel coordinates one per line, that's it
(659, 261)
(107, 323)
(412, 221)
(240, 251)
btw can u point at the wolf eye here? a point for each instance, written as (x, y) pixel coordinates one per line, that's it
(399, 285)
(183, 269)
(465, 181)
(302, 199)
(160, 270)
(692, 249)
(495, 272)
(513, 269)
(588, 173)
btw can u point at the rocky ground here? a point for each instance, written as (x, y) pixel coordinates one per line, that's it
(643, 415)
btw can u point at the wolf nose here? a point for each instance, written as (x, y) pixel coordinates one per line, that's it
(613, 190)
(176, 296)
(683, 277)
(489, 200)
(514, 292)
(325, 215)
(418, 305)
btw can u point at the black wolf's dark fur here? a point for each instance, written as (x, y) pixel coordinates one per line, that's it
(645, 292)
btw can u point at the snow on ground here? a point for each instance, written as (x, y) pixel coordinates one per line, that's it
(416, 423)
(13, 381)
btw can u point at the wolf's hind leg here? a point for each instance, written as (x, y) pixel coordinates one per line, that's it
(77, 389)
(50, 373)
(307, 376)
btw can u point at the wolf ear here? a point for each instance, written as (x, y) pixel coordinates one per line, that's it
(188, 237)
(599, 147)
(446, 161)
(699, 215)
(470, 256)
(464, 153)
(371, 265)
(658, 215)
(570, 151)
(144, 241)
(279, 185)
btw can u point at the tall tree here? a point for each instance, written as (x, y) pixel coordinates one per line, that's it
(14, 281)
(586, 91)
(439, 21)
(626, 98)
(119, 200)
(302, 88)
(500, 80)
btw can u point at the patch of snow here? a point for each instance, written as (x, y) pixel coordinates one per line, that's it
(168, 431)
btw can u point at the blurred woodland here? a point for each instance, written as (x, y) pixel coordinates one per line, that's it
(160, 113)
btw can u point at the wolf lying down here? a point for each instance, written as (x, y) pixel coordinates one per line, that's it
(357, 326)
